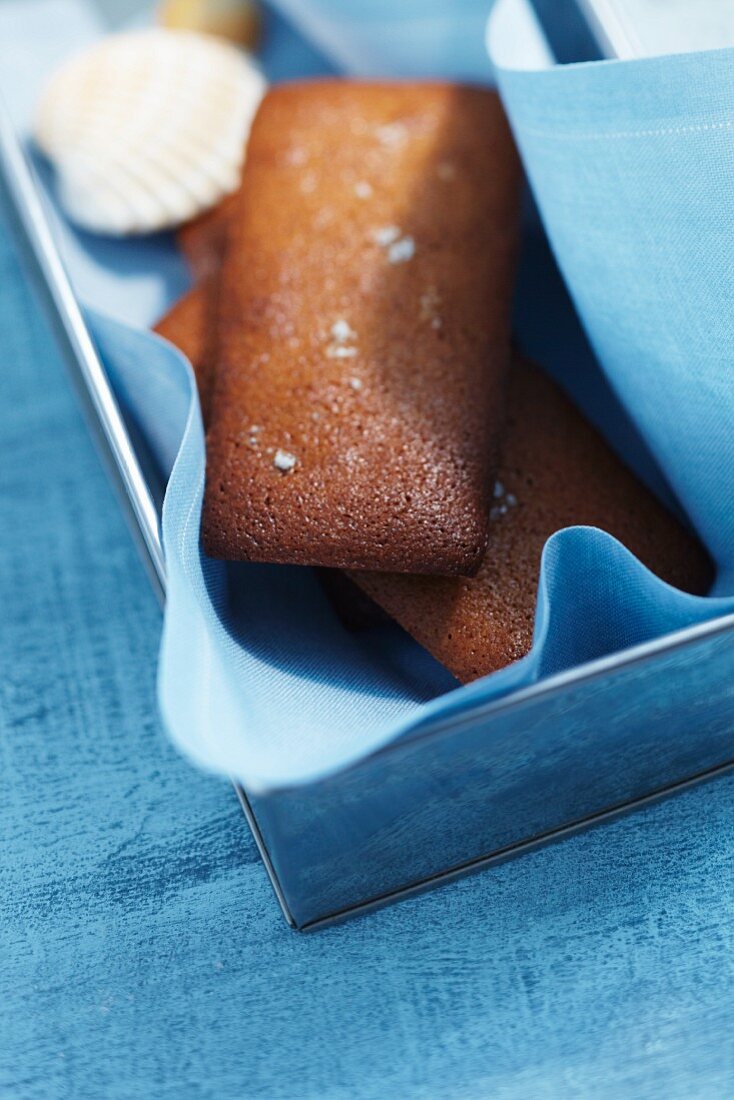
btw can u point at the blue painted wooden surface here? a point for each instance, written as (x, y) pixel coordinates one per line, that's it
(141, 951)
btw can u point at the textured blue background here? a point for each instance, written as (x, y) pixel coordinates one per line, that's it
(141, 951)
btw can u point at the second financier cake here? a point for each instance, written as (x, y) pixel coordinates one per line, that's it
(556, 471)
(363, 330)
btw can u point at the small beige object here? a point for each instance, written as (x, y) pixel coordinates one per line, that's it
(342, 331)
(385, 235)
(148, 129)
(401, 251)
(284, 461)
(446, 171)
(339, 351)
(237, 20)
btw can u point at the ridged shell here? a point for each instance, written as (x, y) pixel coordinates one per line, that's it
(148, 129)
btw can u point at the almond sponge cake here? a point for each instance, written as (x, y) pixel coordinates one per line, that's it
(556, 471)
(363, 329)
(191, 325)
(202, 240)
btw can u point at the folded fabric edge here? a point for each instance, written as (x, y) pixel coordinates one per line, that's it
(520, 56)
(197, 709)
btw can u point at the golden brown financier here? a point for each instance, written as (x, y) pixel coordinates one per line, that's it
(556, 471)
(363, 338)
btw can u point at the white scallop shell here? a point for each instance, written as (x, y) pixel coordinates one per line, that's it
(148, 129)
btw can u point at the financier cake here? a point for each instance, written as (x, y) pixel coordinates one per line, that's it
(556, 471)
(191, 325)
(364, 303)
(203, 239)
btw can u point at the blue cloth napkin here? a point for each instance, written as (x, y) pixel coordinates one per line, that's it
(632, 164)
(632, 167)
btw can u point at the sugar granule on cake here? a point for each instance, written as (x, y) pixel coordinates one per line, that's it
(284, 461)
(401, 251)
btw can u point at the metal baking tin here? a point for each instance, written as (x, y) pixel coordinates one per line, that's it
(646, 28)
(561, 755)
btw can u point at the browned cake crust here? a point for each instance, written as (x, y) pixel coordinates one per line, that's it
(202, 240)
(363, 335)
(556, 471)
(191, 326)
(186, 325)
(559, 472)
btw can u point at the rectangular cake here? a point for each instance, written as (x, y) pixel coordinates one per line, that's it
(191, 325)
(556, 471)
(362, 342)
